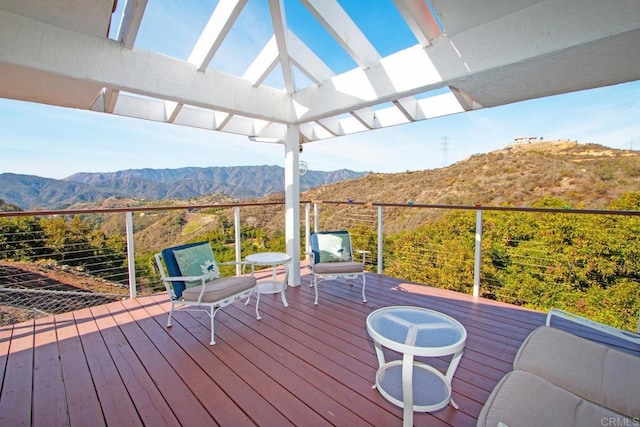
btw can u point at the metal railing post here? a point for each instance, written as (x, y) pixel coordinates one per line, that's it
(307, 230)
(380, 240)
(131, 255)
(315, 217)
(236, 224)
(478, 255)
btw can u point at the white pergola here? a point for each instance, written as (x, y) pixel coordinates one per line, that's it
(467, 55)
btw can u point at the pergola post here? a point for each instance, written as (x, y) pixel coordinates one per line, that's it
(292, 201)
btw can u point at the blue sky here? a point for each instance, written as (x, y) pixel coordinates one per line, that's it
(56, 142)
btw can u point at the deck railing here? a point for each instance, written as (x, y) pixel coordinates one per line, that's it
(35, 246)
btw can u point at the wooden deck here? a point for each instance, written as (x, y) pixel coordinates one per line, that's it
(305, 365)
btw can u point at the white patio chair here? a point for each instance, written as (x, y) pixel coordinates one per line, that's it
(332, 258)
(191, 277)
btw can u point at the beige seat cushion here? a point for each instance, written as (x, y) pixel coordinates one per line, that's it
(338, 267)
(523, 399)
(220, 288)
(591, 370)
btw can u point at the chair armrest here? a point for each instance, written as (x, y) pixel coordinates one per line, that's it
(185, 279)
(625, 335)
(364, 255)
(312, 258)
(182, 278)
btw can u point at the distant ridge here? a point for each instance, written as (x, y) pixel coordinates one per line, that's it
(239, 182)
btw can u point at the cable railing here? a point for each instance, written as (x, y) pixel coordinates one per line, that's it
(56, 261)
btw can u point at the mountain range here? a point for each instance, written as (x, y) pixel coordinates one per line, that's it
(239, 182)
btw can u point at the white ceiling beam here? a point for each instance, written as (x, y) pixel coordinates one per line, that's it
(408, 107)
(130, 22)
(466, 101)
(367, 117)
(172, 109)
(307, 61)
(156, 110)
(509, 49)
(141, 108)
(391, 116)
(438, 106)
(399, 75)
(84, 60)
(336, 21)
(127, 33)
(263, 64)
(110, 99)
(217, 28)
(193, 117)
(314, 132)
(331, 125)
(280, 31)
(91, 17)
(461, 15)
(257, 128)
(222, 119)
(420, 20)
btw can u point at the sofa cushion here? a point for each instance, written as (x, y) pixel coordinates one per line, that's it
(591, 370)
(220, 288)
(338, 267)
(523, 399)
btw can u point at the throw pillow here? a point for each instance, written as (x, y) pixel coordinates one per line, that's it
(197, 261)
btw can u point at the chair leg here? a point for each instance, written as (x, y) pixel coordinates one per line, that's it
(170, 314)
(257, 304)
(364, 284)
(212, 315)
(315, 285)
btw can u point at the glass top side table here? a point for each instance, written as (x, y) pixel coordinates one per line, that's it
(415, 331)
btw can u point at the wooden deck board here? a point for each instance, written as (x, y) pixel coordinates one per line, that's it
(17, 381)
(151, 407)
(82, 401)
(118, 364)
(48, 409)
(114, 399)
(178, 395)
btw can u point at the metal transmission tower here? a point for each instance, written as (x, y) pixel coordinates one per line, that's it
(445, 149)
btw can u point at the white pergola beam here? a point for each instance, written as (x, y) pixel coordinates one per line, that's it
(336, 21)
(172, 110)
(420, 20)
(217, 28)
(263, 64)
(460, 15)
(193, 117)
(408, 107)
(82, 60)
(280, 31)
(403, 74)
(130, 22)
(438, 106)
(509, 49)
(307, 61)
(465, 101)
(367, 117)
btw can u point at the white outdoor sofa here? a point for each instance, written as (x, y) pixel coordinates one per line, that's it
(560, 379)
